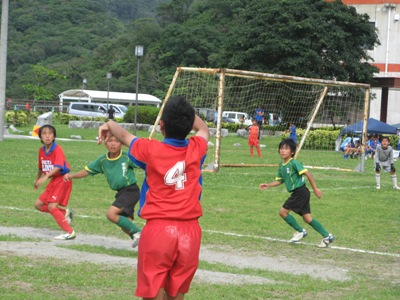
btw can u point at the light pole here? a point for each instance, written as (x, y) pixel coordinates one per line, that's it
(84, 81)
(138, 54)
(109, 76)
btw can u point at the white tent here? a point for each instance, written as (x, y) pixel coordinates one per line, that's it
(105, 96)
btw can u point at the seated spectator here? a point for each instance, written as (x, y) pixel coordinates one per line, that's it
(349, 148)
(356, 149)
(373, 143)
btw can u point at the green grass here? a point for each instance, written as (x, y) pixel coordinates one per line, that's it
(360, 217)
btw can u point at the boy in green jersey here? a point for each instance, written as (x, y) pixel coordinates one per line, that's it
(118, 169)
(291, 174)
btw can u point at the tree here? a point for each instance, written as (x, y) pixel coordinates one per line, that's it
(43, 76)
(311, 38)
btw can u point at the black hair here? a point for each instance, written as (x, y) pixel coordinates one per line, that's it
(290, 143)
(178, 117)
(51, 127)
(385, 137)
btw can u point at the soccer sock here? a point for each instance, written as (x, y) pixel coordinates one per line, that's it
(378, 179)
(293, 223)
(127, 225)
(60, 219)
(258, 151)
(251, 151)
(319, 228)
(45, 208)
(394, 180)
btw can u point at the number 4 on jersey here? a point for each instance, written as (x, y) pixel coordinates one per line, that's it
(176, 176)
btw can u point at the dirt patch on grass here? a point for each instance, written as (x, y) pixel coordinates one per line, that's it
(46, 246)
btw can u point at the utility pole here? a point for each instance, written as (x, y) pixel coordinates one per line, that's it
(3, 65)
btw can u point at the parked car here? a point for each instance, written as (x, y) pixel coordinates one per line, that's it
(235, 115)
(225, 120)
(90, 109)
(207, 113)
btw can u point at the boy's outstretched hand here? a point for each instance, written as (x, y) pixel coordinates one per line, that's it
(318, 193)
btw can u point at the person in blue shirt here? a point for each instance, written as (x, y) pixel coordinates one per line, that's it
(292, 132)
(259, 116)
(398, 140)
(348, 146)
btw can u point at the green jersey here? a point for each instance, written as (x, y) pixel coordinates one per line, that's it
(291, 174)
(118, 171)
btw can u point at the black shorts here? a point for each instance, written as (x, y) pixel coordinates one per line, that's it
(299, 201)
(126, 199)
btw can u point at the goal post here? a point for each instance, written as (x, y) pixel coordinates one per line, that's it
(318, 108)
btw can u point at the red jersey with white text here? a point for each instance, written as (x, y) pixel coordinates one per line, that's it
(173, 179)
(53, 158)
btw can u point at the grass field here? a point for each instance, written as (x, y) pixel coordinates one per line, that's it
(238, 219)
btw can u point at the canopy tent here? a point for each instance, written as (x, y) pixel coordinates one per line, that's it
(105, 96)
(374, 127)
(396, 125)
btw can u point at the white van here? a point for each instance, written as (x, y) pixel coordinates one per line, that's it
(90, 109)
(236, 115)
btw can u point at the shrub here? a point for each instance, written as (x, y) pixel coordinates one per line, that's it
(145, 114)
(321, 139)
(17, 117)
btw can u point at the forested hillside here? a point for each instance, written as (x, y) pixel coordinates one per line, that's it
(54, 44)
(70, 40)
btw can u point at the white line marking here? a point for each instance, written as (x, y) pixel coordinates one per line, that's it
(286, 241)
(241, 235)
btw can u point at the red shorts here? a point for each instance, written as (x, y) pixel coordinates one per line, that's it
(168, 257)
(253, 142)
(57, 190)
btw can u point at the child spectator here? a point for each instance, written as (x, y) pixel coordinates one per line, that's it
(118, 169)
(169, 247)
(398, 140)
(374, 143)
(349, 148)
(383, 159)
(291, 174)
(52, 165)
(253, 138)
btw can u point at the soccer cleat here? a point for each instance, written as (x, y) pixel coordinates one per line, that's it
(136, 239)
(378, 187)
(346, 156)
(326, 241)
(297, 236)
(66, 236)
(69, 215)
(396, 187)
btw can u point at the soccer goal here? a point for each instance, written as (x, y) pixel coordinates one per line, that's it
(318, 108)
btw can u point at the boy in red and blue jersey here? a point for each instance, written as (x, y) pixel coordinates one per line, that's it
(52, 164)
(168, 253)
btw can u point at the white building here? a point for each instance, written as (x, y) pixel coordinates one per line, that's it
(385, 16)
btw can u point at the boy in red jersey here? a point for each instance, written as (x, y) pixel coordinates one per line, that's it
(253, 138)
(169, 247)
(53, 165)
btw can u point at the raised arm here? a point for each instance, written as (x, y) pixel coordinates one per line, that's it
(201, 128)
(113, 129)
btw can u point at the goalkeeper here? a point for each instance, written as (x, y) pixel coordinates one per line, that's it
(384, 160)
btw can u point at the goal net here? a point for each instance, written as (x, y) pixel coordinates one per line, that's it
(227, 100)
